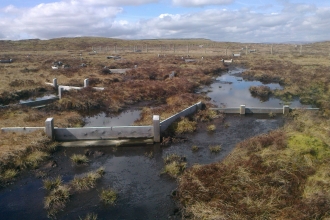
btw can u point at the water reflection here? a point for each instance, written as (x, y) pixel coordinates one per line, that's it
(125, 118)
(45, 97)
(230, 90)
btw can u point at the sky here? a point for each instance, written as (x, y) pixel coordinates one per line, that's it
(255, 21)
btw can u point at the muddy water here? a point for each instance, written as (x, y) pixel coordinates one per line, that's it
(143, 191)
(231, 90)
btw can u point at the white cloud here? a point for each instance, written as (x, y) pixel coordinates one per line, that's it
(76, 18)
(198, 3)
(58, 19)
(112, 2)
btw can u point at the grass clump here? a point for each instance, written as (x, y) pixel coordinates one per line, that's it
(33, 159)
(194, 148)
(149, 155)
(207, 115)
(50, 184)
(185, 125)
(89, 216)
(88, 181)
(260, 90)
(57, 199)
(174, 165)
(211, 128)
(8, 175)
(215, 148)
(271, 114)
(79, 159)
(108, 196)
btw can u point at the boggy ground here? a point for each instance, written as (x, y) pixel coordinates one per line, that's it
(149, 82)
(295, 157)
(280, 175)
(135, 173)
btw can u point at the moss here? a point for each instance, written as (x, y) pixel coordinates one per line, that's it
(304, 144)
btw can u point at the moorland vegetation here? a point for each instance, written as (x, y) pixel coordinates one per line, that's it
(280, 175)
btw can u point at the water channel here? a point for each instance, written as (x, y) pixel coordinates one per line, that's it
(136, 172)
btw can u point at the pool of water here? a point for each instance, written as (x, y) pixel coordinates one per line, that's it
(230, 90)
(45, 97)
(125, 118)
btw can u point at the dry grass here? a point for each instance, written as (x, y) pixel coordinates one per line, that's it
(211, 128)
(280, 175)
(260, 90)
(50, 184)
(89, 216)
(184, 126)
(59, 193)
(194, 148)
(215, 148)
(21, 151)
(27, 117)
(79, 159)
(174, 165)
(108, 196)
(33, 159)
(88, 181)
(57, 199)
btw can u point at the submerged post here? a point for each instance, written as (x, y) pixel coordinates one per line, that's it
(242, 110)
(55, 83)
(286, 109)
(49, 128)
(199, 106)
(60, 90)
(86, 82)
(156, 124)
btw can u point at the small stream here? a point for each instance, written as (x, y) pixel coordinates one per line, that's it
(136, 172)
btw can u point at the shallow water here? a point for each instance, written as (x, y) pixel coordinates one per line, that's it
(230, 90)
(143, 191)
(45, 97)
(125, 118)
